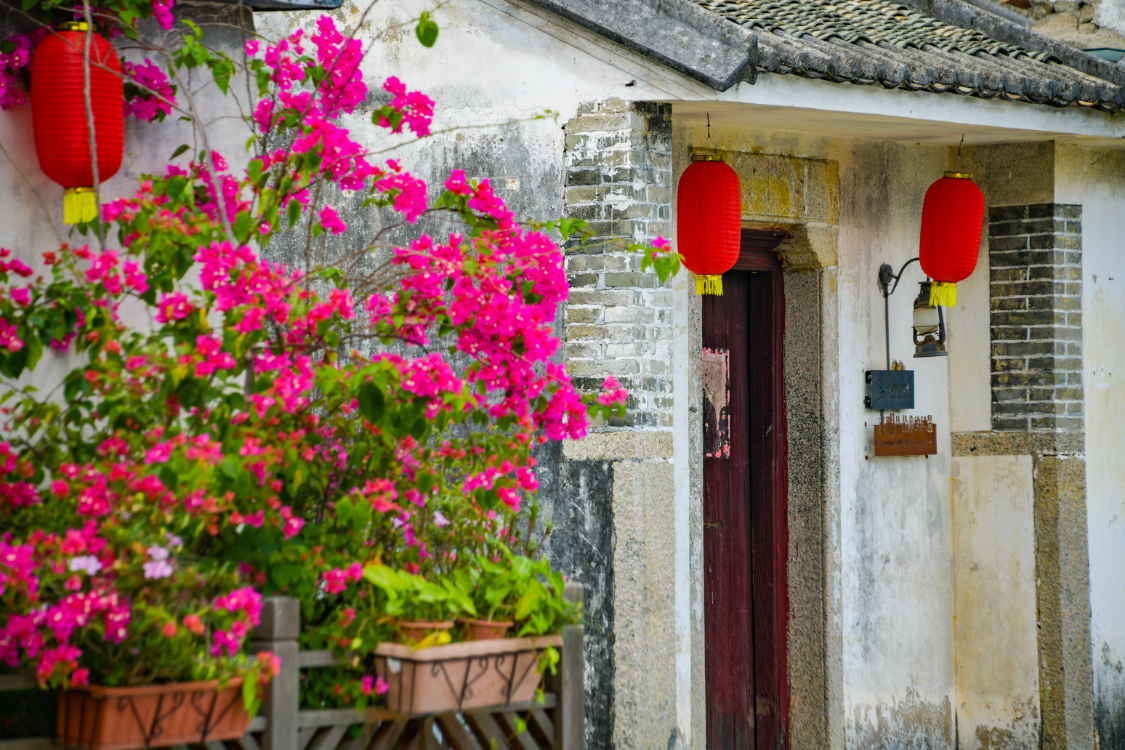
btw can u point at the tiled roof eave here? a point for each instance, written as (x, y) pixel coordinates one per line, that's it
(803, 38)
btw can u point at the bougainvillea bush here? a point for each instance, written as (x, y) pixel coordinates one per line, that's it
(232, 428)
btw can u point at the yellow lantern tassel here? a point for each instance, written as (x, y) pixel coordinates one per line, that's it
(79, 205)
(943, 294)
(709, 284)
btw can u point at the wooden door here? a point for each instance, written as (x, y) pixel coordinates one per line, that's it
(745, 535)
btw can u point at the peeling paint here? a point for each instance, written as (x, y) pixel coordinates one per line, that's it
(910, 723)
(716, 397)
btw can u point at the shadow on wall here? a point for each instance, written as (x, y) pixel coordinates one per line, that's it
(577, 499)
(1109, 706)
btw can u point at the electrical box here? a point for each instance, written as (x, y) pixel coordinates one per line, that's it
(889, 389)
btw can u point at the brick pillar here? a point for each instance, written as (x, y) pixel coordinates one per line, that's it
(619, 320)
(1035, 263)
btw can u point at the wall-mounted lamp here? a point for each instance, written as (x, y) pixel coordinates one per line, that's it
(929, 325)
(929, 321)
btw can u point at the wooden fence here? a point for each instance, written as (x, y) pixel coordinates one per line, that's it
(558, 723)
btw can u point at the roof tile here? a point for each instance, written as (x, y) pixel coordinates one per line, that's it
(886, 43)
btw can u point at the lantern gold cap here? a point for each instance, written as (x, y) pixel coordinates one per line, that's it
(959, 175)
(706, 157)
(73, 26)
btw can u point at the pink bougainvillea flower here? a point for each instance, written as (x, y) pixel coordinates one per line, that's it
(155, 96)
(194, 624)
(331, 221)
(173, 306)
(8, 338)
(613, 392)
(162, 12)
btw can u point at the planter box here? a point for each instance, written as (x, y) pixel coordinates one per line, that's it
(105, 718)
(461, 676)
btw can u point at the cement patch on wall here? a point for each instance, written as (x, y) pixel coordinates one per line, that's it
(994, 585)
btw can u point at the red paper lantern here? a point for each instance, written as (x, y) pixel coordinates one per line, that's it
(709, 222)
(58, 113)
(952, 217)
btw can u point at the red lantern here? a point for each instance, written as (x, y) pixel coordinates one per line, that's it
(709, 222)
(58, 112)
(952, 217)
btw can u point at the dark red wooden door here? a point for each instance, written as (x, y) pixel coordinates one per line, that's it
(745, 535)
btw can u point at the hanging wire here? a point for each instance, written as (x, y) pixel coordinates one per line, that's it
(708, 126)
(959, 152)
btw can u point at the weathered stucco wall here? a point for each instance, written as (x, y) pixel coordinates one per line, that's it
(877, 669)
(994, 590)
(895, 513)
(1096, 180)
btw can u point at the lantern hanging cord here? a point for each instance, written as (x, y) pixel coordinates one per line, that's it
(959, 152)
(885, 278)
(708, 126)
(81, 205)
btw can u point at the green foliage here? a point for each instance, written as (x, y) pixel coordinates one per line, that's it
(427, 30)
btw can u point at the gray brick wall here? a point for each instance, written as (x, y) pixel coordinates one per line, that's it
(1035, 274)
(618, 319)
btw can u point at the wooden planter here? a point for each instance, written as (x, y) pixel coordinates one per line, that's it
(105, 718)
(461, 676)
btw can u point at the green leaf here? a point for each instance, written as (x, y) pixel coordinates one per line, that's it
(427, 30)
(183, 147)
(384, 578)
(242, 225)
(282, 573)
(250, 697)
(344, 510)
(526, 604)
(371, 402)
(244, 483)
(294, 212)
(362, 516)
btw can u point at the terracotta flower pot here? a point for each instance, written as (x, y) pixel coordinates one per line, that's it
(461, 676)
(182, 713)
(414, 632)
(485, 630)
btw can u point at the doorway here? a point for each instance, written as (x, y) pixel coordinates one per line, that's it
(745, 491)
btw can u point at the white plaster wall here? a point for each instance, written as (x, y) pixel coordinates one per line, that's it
(896, 549)
(33, 204)
(994, 591)
(969, 343)
(1096, 180)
